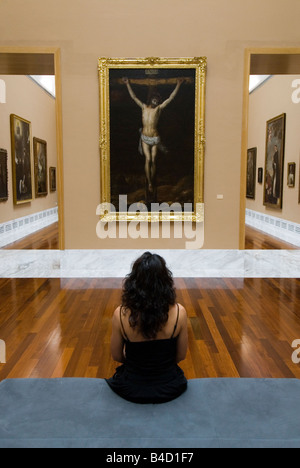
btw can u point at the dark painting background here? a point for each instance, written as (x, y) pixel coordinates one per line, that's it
(22, 159)
(3, 175)
(175, 169)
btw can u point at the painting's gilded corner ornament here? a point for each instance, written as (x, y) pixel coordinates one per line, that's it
(153, 61)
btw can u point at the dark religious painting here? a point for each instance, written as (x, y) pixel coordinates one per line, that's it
(40, 167)
(274, 160)
(52, 179)
(152, 131)
(21, 159)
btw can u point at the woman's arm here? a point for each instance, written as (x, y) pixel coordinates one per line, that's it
(117, 340)
(182, 342)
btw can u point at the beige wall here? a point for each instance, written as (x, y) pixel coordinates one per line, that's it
(86, 30)
(27, 100)
(273, 98)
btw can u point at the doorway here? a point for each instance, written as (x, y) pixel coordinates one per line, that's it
(269, 62)
(41, 61)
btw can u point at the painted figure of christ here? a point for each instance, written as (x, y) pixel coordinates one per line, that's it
(150, 138)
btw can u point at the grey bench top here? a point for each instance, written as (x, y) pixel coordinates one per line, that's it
(84, 412)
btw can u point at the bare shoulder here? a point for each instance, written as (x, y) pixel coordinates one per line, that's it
(182, 310)
(116, 315)
(182, 314)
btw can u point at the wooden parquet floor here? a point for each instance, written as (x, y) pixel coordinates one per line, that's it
(45, 239)
(258, 240)
(237, 327)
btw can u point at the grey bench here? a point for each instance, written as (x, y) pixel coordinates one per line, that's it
(76, 412)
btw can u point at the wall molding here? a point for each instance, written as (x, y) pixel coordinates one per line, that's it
(16, 229)
(277, 227)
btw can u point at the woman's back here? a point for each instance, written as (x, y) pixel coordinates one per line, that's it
(149, 336)
(154, 357)
(169, 330)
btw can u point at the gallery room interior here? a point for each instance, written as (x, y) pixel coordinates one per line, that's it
(169, 127)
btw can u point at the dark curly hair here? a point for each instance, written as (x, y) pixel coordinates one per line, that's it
(148, 292)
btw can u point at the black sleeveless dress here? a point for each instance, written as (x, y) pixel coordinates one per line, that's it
(150, 373)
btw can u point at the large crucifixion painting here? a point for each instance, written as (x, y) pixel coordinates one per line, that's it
(152, 132)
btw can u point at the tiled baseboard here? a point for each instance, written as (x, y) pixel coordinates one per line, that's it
(277, 227)
(16, 229)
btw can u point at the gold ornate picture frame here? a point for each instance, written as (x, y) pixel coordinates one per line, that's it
(40, 167)
(152, 138)
(52, 179)
(21, 156)
(274, 161)
(291, 175)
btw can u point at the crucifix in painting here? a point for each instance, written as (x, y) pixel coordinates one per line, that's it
(152, 132)
(150, 141)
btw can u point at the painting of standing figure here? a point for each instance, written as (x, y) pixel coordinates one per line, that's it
(149, 121)
(40, 167)
(275, 142)
(21, 159)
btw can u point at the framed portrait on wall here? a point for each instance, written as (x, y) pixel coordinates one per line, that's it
(52, 179)
(291, 174)
(40, 167)
(152, 134)
(274, 161)
(251, 172)
(3, 175)
(21, 159)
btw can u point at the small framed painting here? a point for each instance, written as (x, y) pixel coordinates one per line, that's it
(251, 172)
(291, 176)
(52, 179)
(40, 167)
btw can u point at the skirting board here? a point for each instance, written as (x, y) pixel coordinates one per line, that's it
(16, 229)
(277, 227)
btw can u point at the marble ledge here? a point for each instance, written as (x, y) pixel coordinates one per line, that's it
(117, 263)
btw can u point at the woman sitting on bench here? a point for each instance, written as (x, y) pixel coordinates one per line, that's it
(149, 335)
